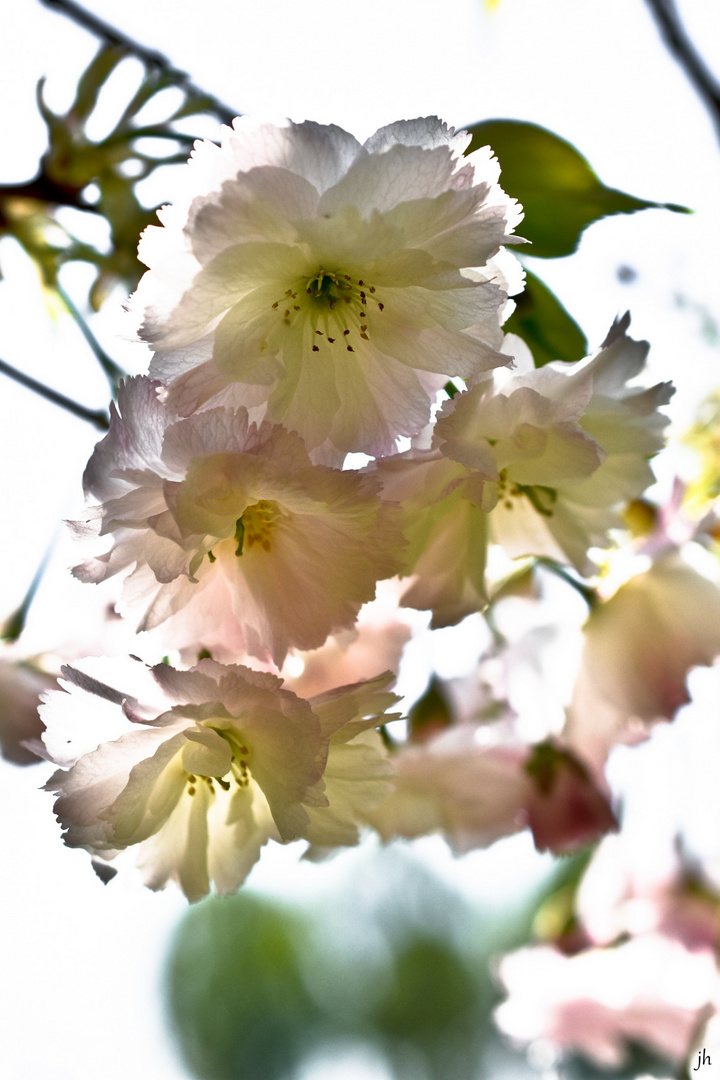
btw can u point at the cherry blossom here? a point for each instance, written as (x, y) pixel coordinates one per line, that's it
(200, 768)
(236, 541)
(337, 285)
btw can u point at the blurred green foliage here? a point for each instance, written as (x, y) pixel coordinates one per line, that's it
(390, 959)
(240, 1006)
(115, 164)
(393, 959)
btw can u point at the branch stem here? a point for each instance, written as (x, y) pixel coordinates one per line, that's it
(150, 57)
(98, 418)
(681, 47)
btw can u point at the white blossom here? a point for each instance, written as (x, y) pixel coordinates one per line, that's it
(358, 774)
(338, 284)
(204, 766)
(540, 462)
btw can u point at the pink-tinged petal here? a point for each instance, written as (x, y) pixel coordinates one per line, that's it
(439, 222)
(640, 646)
(237, 834)
(320, 153)
(375, 644)
(450, 572)
(565, 457)
(134, 440)
(225, 284)
(389, 401)
(648, 990)
(521, 530)
(357, 779)
(471, 793)
(346, 710)
(265, 550)
(307, 398)
(178, 850)
(425, 131)
(301, 590)
(358, 774)
(167, 364)
(446, 533)
(378, 182)
(454, 353)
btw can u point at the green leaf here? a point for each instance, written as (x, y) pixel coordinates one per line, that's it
(544, 325)
(560, 193)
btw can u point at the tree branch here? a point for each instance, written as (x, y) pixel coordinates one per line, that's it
(679, 44)
(150, 57)
(98, 418)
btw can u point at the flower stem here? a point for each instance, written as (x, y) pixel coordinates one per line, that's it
(589, 595)
(14, 625)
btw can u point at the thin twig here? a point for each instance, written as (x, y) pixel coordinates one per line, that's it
(99, 418)
(679, 44)
(589, 595)
(13, 626)
(113, 372)
(150, 57)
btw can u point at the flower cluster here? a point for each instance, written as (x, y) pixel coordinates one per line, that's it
(310, 300)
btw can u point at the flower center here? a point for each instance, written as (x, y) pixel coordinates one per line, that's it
(337, 306)
(542, 498)
(326, 285)
(239, 770)
(211, 781)
(255, 525)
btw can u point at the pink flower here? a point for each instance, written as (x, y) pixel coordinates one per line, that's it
(649, 990)
(639, 648)
(237, 542)
(477, 792)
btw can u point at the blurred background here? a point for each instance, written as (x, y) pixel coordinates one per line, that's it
(377, 964)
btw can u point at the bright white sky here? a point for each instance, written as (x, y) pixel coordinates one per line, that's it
(81, 991)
